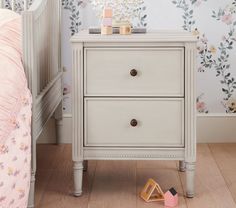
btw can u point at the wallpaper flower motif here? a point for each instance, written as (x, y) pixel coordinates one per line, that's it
(201, 105)
(231, 105)
(212, 57)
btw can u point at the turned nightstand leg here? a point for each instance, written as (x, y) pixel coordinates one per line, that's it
(182, 166)
(190, 174)
(78, 178)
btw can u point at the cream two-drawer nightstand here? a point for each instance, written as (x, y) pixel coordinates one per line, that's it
(134, 99)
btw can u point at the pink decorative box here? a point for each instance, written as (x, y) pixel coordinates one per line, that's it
(107, 22)
(107, 12)
(171, 198)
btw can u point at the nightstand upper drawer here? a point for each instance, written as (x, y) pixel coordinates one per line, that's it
(134, 71)
(137, 122)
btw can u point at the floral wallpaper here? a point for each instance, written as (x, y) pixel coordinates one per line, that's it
(212, 57)
(212, 22)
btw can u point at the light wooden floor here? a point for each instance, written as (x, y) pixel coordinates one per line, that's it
(109, 184)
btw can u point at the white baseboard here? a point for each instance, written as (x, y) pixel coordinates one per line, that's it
(216, 128)
(212, 128)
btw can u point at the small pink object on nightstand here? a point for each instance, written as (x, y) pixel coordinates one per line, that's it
(107, 22)
(171, 198)
(107, 12)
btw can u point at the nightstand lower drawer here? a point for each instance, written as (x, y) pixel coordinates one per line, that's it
(139, 122)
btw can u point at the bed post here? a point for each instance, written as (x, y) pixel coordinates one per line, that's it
(59, 122)
(33, 173)
(25, 5)
(59, 111)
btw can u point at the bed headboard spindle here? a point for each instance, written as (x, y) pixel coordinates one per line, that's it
(13, 3)
(25, 5)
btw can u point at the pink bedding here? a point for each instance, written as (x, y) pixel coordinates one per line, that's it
(15, 116)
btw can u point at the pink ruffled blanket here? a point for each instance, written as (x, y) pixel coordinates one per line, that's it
(15, 115)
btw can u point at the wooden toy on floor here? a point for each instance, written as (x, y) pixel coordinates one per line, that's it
(152, 192)
(171, 198)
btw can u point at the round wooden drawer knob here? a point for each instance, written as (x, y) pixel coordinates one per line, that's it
(133, 122)
(133, 72)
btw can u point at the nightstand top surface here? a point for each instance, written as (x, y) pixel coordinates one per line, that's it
(150, 36)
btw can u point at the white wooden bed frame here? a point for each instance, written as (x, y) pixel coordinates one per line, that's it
(42, 63)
